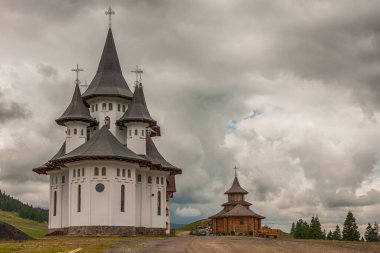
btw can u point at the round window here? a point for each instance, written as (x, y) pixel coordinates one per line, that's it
(99, 187)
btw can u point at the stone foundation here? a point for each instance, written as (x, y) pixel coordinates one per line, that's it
(107, 230)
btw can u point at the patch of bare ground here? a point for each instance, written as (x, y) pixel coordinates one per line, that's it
(214, 244)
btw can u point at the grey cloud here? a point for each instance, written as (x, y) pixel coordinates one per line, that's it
(12, 110)
(346, 198)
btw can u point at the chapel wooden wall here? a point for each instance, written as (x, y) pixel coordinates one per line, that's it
(229, 224)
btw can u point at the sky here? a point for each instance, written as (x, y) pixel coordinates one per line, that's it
(286, 90)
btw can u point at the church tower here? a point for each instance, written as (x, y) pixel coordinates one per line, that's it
(77, 120)
(108, 177)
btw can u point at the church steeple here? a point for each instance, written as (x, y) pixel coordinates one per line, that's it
(109, 80)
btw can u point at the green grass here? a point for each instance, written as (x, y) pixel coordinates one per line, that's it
(32, 228)
(194, 225)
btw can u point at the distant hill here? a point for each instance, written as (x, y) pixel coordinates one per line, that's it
(10, 204)
(32, 228)
(191, 226)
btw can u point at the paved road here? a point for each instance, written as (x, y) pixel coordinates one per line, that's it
(215, 244)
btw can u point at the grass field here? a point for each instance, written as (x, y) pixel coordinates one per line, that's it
(194, 225)
(55, 244)
(31, 228)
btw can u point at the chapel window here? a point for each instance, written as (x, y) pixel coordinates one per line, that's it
(55, 203)
(142, 132)
(149, 180)
(138, 178)
(118, 172)
(123, 108)
(82, 132)
(96, 107)
(79, 197)
(123, 172)
(74, 173)
(118, 107)
(92, 108)
(157, 180)
(136, 132)
(75, 131)
(63, 179)
(96, 171)
(103, 171)
(129, 173)
(122, 199)
(110, 106)
(82, 172)
(162, 180)
(104, 106)
(107, 122)
(78, 172)
(159, 203)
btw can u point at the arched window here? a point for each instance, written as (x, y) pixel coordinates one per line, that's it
(123, 172)
(79, 197)
(138, 178)
(78, 172)
(75, 131)
(159, 203)
(82, 132)
(122, 199)
(82, 172)
(157, 180)
(55, 203)
(142, 132)
(149, 180)
(162, 180)
(74, 173)
(129, 173)
(136, 132)
(96, 171)
(110, 106)
(118, 107)
(63, 179)
(103, 171)
(107, 122)
(104, 106)
(123, 108)
(69, 131)
(96, 107)
(92, 108)
(118, 172)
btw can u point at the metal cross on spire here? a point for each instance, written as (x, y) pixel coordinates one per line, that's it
(235, 168)
(77, 70)
(138, 72)
(110, 12)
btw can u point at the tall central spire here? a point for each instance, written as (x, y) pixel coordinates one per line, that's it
(109, 80)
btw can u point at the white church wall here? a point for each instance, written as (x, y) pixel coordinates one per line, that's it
(136, 140)
(55, 204)
(76, 133)
(98, 111)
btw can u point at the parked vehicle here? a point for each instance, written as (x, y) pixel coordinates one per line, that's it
(267, 232)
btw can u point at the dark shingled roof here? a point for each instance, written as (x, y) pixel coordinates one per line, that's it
(76, 111)
(241, 211)
(156, 158)
(137, 110)
(234, 203)
(43, 168)
(102, 146)
(109, 80)
(218, 215)
(236, 188)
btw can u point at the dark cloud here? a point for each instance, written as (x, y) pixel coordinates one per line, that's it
(12, 110)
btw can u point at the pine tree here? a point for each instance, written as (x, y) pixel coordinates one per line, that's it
(293, 228)
(336, 235)
(372, 233)
(329, 236)
(350, 228)
(301, 230)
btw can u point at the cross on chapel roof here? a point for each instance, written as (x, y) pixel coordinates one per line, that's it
(110, 12)
(77, 70)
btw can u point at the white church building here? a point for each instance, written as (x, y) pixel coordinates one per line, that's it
(108, 177)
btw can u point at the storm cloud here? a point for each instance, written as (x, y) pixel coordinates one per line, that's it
(286, 90)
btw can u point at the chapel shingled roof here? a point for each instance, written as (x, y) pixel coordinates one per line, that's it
(43, 168)
(236, 188)
(103, 145)
(109, 80)
(156, 158)
(234, 203)
(76, 111)
(137, 110)
(241, 211)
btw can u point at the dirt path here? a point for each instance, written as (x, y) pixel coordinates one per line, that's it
(211, 244)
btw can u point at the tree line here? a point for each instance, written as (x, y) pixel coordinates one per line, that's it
(313, 230)
(10, 204)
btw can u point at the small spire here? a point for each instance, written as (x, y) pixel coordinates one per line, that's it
(138, 73)
(77, 70)
(110, 12)
(235, 168)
